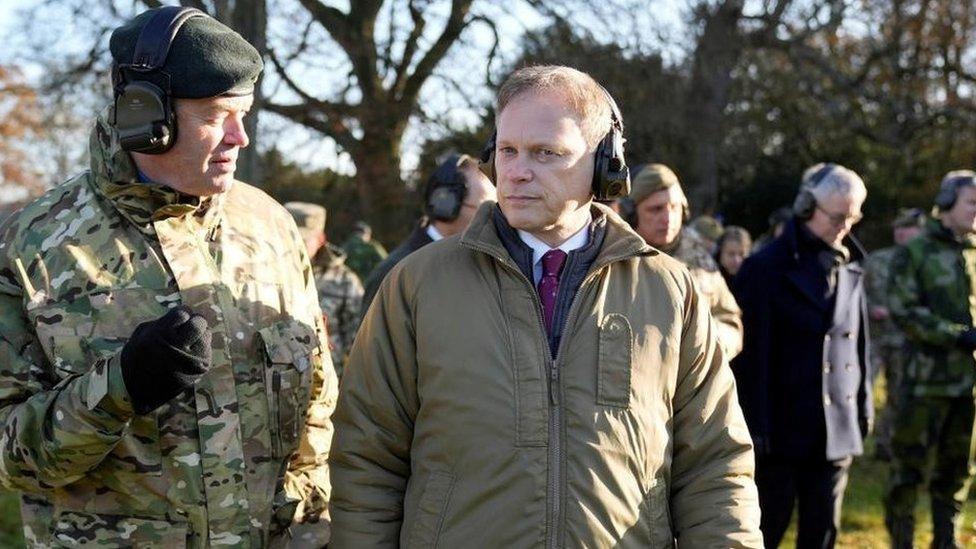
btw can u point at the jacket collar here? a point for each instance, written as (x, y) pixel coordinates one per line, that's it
(620, 242)
(792, 238)
(937, 231)
(114, 177)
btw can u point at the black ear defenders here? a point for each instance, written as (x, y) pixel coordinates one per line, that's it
(445, 190)
(805, 202)
(611, 177)
(143, 115)
(948, 193)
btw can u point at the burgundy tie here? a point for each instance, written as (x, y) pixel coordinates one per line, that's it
(552, 266)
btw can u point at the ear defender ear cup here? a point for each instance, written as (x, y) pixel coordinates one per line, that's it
(445, 203)
(611, 177)
(805, 203)
(446, 189)
(143, 112)
(143, 119)
(486, 160)
(945, 199)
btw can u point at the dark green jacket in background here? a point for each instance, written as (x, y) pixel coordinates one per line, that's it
(455, 427)
(933, 300)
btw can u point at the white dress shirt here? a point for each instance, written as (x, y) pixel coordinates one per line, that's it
(539, 248)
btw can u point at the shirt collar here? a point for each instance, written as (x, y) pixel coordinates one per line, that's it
(433, 233)
(539, 248)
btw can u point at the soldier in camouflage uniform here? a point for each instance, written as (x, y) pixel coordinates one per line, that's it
(887, 341)
(340, 291)
(932, 299)
(363, 253)
(209, 423)
(660, 209)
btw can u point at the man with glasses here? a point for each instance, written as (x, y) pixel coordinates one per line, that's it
(932, 299)
(802, 374)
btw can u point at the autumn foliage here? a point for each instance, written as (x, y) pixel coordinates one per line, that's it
(20, 124)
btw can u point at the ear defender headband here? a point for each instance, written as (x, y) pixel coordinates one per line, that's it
(143, 113)
(949, 191)
(805, 202)
(446, 189)
(611, 177)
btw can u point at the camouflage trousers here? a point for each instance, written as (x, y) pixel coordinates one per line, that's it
(943, 425)
(892, 361)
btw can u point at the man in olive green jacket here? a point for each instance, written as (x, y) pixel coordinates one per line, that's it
(547, 379)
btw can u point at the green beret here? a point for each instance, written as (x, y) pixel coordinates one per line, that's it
(708, 227)
(909, 217)
(651, 179)
(309, 217)
(206, 59)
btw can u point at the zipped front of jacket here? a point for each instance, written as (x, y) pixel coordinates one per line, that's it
(555, 441)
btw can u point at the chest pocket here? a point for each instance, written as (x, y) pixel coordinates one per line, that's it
(614, 369)
(292, 352)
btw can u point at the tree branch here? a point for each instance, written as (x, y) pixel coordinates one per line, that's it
(455, 25)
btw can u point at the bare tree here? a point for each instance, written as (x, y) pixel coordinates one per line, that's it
(726, 33)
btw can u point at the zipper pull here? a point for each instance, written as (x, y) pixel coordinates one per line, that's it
(553, 385)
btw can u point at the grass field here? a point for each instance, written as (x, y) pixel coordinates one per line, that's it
(862, 528)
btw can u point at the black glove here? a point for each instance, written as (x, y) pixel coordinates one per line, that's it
(164, 357)
(967, 340)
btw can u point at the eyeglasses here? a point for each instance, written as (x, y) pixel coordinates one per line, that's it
(839, 219)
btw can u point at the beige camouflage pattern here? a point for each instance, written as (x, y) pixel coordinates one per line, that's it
(233, 462)
(340, 296)
(690, 250)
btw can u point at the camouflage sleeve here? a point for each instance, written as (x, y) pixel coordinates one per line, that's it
(307, 477)
(875, 279)
(350, 310)
(54, 430)
(909, 308)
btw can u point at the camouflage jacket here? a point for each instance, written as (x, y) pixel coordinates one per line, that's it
(341, 296)
(932, 299)
(233, 461)
(361, 256)
(877, 274)
(704, 271)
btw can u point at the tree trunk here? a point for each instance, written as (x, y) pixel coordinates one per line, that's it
(250, 19)
(716, 56)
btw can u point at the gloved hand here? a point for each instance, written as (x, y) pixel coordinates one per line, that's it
(164, 357)
(967, 340)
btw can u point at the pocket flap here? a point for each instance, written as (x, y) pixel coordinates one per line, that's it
(290, 343)
(615, 352)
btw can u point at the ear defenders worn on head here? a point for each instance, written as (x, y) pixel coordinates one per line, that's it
(805, 202)
(143, 114)
(445, 191)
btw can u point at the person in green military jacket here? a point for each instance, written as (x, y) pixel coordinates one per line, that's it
(660, 211)
(363, 253)
(887, 340)
(932, 299)
(164, 379)
(494, 399)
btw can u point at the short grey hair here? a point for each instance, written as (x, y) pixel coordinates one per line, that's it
(838, 180)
